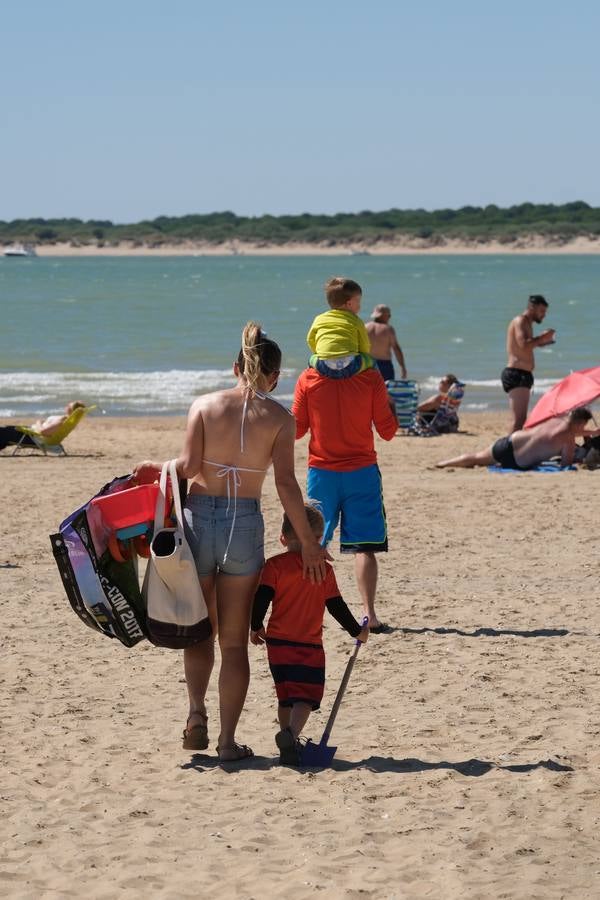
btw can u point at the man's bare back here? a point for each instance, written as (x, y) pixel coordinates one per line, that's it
(552, 438)
(382, 338)
(384, 342)
(216, 423)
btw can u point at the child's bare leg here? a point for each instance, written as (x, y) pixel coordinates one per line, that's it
(283, 714)
(299, 717)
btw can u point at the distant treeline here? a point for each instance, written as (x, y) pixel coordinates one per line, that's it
(470, 223)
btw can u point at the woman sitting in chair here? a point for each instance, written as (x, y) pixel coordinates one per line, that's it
(438, 414)
(10, 434)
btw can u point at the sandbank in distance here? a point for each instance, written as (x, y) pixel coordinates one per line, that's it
(527, 244)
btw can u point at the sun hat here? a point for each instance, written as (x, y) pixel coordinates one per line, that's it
(379, 309)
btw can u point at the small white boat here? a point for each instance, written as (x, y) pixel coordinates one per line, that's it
(20, 250)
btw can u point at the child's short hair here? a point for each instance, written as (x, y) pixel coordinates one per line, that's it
(339, 290)
(315, 520)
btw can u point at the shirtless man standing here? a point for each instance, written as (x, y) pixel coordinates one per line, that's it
(383, 342)
(517, 377)
(529, 447)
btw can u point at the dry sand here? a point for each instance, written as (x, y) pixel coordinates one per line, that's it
(468, 760)
(528, 244)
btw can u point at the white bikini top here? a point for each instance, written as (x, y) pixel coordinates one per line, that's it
(232, 473)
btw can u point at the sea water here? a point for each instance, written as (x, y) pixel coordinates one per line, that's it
(147, 335)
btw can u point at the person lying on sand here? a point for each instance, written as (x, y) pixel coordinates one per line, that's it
(529, 447)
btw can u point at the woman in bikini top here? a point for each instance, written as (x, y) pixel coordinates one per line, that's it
(232, 438)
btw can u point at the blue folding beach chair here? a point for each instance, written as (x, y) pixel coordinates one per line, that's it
(405, 396)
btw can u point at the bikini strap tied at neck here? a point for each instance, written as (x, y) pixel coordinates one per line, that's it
(261, 396)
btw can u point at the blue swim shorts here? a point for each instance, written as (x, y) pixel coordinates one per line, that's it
(208, 524)
(355, 499)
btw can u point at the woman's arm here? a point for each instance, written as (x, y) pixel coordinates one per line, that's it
(431, 404)
(313, 554)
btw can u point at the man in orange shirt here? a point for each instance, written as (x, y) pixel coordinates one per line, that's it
(343, 475)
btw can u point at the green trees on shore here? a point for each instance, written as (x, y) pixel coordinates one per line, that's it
(470, 223)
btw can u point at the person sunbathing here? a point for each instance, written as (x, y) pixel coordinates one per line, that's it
(528, 447)
(10, 434)
(428, 409)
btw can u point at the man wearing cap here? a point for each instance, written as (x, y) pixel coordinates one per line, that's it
(383, 342)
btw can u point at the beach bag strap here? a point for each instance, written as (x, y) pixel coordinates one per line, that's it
(169, 470)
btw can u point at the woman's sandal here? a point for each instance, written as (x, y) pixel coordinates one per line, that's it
(196, 737)
(240, 751)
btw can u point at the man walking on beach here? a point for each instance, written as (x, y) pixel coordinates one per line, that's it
(383, 342)
(343, 475)
(517, 377)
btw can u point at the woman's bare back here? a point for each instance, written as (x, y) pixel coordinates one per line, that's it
(220, 441)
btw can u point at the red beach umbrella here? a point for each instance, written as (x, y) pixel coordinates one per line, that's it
(577, 389)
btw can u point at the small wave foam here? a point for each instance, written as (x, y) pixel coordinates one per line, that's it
(172, 391)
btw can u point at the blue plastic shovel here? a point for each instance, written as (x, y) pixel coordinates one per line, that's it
(321, 755)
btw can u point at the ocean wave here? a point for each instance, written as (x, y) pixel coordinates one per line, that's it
(171, 391)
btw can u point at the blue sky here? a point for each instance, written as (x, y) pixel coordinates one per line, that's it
(129, 110)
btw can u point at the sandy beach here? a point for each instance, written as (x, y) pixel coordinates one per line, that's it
(468, 757)
(528, 244)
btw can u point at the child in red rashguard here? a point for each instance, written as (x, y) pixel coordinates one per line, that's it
(294, 633)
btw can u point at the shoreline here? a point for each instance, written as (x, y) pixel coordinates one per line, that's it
(478, 418)
(528, 245)
(474, 418)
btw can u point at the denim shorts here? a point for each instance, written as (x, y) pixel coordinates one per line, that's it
(208, 528)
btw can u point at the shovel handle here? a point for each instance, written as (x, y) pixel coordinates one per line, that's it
(342, 688)
(364, 622)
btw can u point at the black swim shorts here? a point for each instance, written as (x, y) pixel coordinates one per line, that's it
(503, 453)
(386, 367)
(516, 378)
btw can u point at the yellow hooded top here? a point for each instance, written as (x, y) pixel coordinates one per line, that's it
(338, 332)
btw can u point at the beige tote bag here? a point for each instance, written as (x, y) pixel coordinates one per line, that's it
(177, 613)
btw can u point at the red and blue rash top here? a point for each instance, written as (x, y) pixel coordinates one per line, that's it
(340, 414)
(298, 605)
